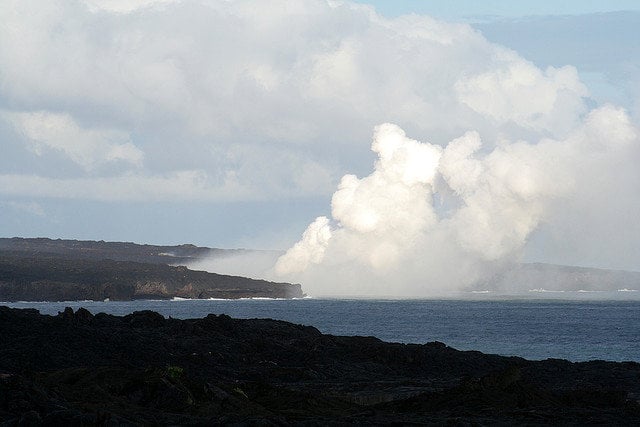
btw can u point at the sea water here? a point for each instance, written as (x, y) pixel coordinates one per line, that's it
(576, 330)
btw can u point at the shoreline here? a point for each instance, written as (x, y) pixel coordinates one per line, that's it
(533, 329)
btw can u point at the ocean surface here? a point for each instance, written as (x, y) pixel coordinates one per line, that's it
(577, 330)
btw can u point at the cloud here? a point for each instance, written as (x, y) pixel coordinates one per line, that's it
(193, 83)
(87, 147)
(523, 94)
(607, 60)
(187, 185)
(123, 6)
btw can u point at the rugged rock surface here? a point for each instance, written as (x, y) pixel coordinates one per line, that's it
(77, 368)
(48, 277)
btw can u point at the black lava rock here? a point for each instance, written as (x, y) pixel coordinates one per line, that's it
(82, 369)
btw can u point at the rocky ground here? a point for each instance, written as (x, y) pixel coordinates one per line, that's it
(79, 368)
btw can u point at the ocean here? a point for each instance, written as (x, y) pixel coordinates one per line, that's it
(574, 329)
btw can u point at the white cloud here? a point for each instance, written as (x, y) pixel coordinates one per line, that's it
(305, 76)
(87, 147)
(524, 94)
(124, 6)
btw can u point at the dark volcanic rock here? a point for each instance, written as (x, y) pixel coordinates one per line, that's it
(78, 368)
(117, 251)
(51, 278)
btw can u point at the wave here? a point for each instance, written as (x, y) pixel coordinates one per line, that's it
(83, 301)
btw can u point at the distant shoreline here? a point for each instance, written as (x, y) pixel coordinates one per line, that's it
(69, 270)
(42, 269)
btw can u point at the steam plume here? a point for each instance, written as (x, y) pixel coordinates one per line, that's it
(430, 220)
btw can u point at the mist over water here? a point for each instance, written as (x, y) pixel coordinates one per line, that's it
(252, 264)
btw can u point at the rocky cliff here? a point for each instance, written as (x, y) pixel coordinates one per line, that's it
(50, 277)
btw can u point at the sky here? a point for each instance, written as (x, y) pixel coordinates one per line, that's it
(478, 11)
(232, 124)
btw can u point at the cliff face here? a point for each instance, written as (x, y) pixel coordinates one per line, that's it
(49, 277)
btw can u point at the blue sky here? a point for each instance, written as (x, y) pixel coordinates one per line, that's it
(552, 33)
(480, 10)
(208, 123)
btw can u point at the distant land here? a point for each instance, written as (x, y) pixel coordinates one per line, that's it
(43, 269)
(539, 277)
(117, 251)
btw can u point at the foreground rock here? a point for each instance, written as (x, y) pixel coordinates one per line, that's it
(47, 277)
(77, 368)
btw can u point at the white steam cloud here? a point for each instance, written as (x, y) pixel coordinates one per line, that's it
(430, 220)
